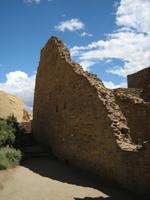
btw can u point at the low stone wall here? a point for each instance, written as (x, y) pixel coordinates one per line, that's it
(82, 122)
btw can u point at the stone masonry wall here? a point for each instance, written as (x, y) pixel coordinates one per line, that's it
(139, 79)
(79, 119)
(137, 113)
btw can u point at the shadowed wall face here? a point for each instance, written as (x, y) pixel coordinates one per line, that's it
(80, 120)
(140, 79)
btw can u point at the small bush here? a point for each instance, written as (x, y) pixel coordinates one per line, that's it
(7, 133)
(11, 120)
(9, 157)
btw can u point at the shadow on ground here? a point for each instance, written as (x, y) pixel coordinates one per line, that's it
(59, 171)
(90, 198)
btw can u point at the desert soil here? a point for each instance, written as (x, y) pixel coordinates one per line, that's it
(47, 179)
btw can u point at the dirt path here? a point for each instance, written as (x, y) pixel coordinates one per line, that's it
(43, 179)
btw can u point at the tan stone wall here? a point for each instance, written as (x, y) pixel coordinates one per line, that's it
(137, 113)
(139, 79)
(79, 119)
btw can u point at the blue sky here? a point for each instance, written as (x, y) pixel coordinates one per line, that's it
(25, 28)
(109, 38)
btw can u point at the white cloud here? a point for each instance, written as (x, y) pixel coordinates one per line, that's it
(70, 25)
(29, 2)
(108, 61)
(32, 1)
(20, 84)
(86, 64)
(86, 34)
(134, 14)
(129, 43)
(111, 85)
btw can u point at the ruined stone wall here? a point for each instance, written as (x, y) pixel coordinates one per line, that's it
(136, 111)
(139, 79)
(79, 119)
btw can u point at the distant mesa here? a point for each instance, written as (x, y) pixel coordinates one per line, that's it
(12, 105)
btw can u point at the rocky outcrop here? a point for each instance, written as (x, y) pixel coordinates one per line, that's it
(83, 122)
(27, 115)
(12, 105)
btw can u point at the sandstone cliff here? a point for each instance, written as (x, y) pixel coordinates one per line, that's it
(84, 123)
(12, 105)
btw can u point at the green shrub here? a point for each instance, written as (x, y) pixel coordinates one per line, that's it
(9, 130)
(7, 133)
(9, 157)
(12, 121)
